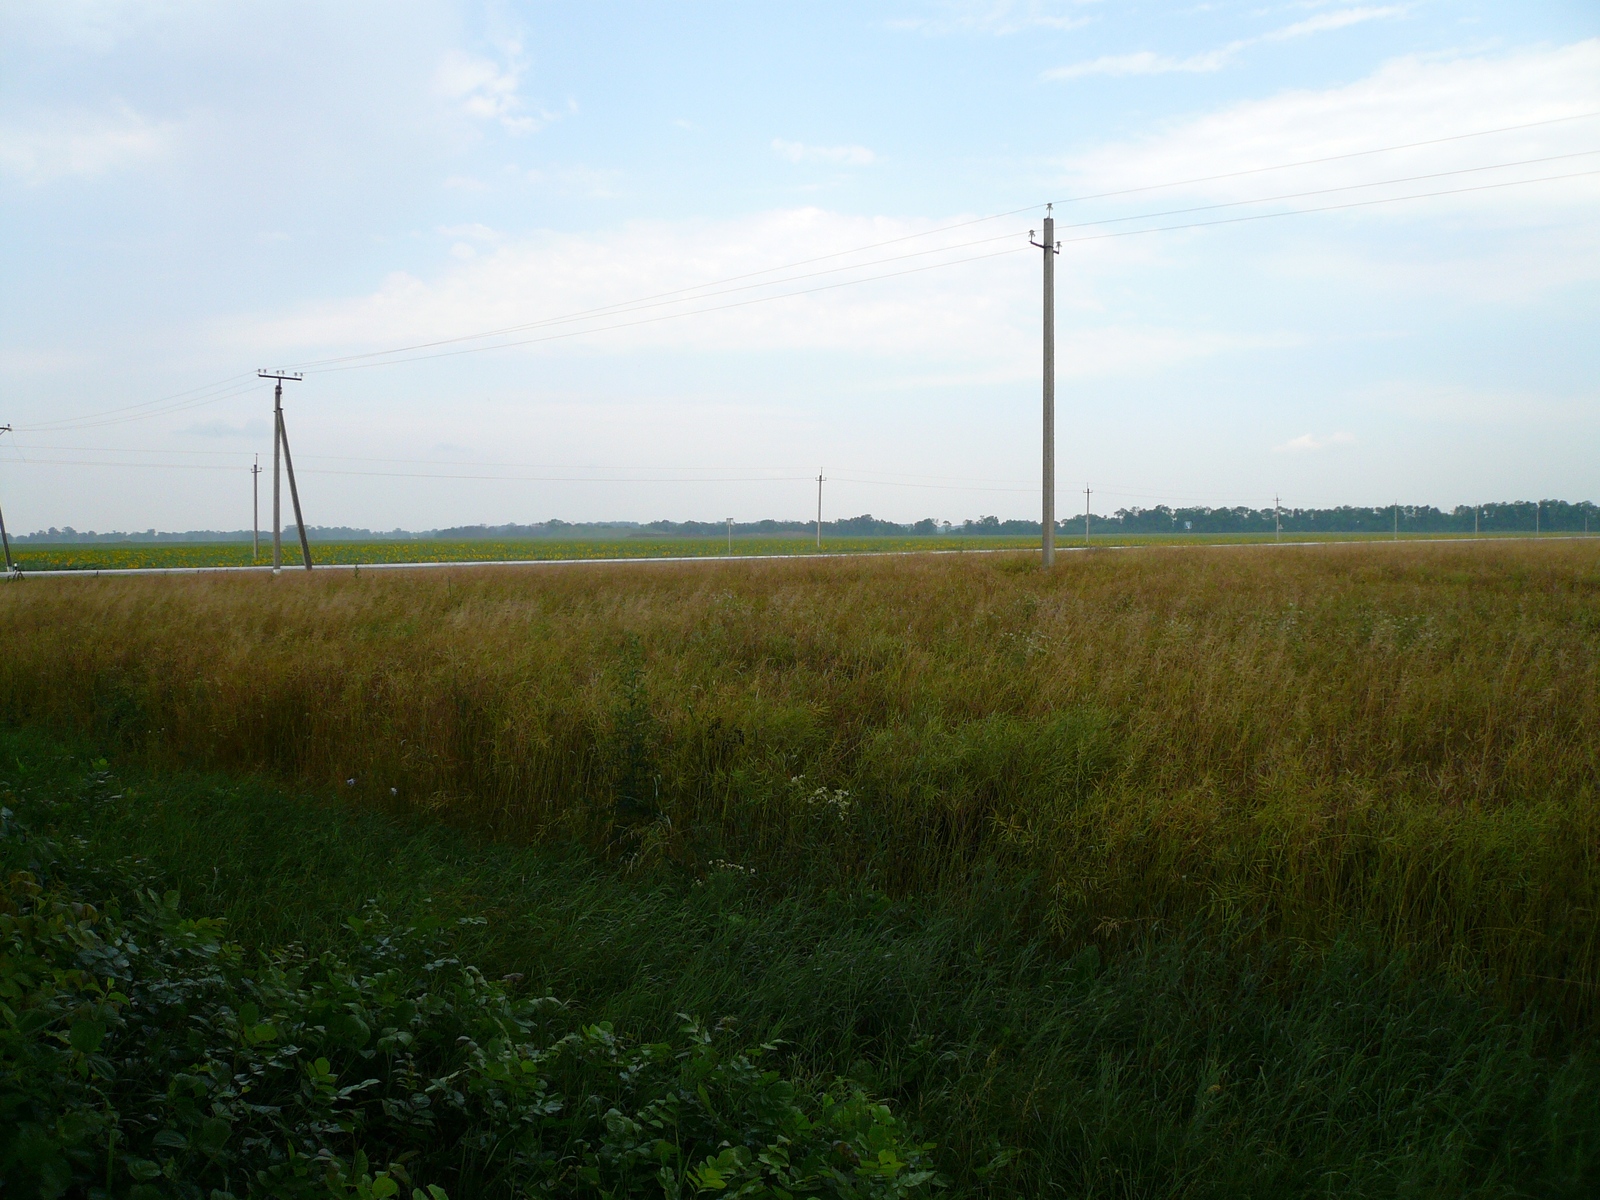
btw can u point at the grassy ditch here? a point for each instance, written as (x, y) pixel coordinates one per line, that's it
(1187, 1062)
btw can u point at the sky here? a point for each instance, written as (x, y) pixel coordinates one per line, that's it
(1334, 252)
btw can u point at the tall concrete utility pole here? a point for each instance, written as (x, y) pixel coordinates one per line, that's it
(11, 567)
(819, 510)
(1397, 520)
(255, 510)
(280, 441)
(1086, 515)
(1277, 520)
(730, 537)
(1047, 522)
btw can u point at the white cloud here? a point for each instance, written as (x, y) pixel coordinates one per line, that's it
(472, 233)
(1441, 402)
(1146, 62)
(255, 430)
(796, 152)
(1314, 441)
(996, 17)
(1143, 62)
(597, 184)
(57, 145)
(489, 91)
(1407, 100)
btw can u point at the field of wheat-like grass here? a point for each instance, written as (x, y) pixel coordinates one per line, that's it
(1391, 742)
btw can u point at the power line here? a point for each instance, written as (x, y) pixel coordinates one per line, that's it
(627, 307)
(101, 421)
(958, 262)
(693, 312)
(1328, 191)
(179, 400)
(1313, 162)
(221, 390)
(186, 399)
(1302, 212)
(684, 292)
(456, 462)
(457, 476)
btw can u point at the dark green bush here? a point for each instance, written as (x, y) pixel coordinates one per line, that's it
(142, 1055)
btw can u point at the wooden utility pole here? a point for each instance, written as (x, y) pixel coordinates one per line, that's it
(280, 441)
(255, 509)
(1047, 523)
(730, 537)
(1086, 515)
(819, 510)
(1277, 520)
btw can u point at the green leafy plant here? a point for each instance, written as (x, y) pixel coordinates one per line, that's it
(142, 1055)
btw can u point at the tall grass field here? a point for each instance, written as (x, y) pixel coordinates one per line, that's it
(1172, 872)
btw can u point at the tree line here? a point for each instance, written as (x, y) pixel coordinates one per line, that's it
(1503, 516)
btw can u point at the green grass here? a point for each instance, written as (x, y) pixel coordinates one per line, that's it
(1186, 1064)
(111, 556)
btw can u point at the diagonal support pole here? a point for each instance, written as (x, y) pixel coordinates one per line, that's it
(11, 567)
(294, 493)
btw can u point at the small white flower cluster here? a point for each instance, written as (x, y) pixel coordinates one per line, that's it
(837, 800)
(722, 864)
(1032, 643)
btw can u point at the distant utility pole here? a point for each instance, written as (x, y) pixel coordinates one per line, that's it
(280, 440)
(819, 510)
(1397, 520)
(1277, 520)
(1537, 505)
(1051, 248)
(1475, 511)
(11, 567)
(730, 537)
(255, 509)
(1086, 515)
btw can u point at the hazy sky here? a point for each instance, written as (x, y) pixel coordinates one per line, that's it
(192, 190)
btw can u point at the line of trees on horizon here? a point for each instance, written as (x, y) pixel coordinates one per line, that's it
(1515, 516)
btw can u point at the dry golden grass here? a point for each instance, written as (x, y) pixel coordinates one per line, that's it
(1390, 740)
